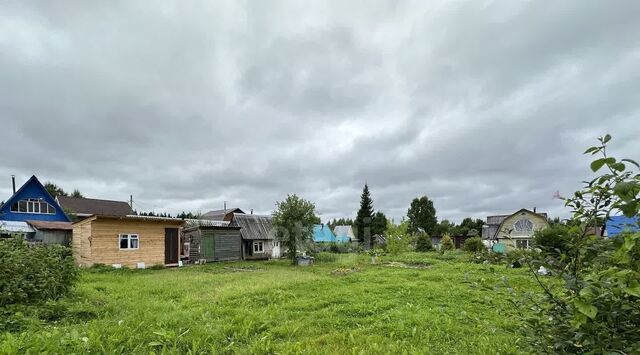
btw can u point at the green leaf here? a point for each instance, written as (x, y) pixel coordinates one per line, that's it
(585, 308)
(618, 166)
(590, 150)
(632, 162)
(634, 289)
(597, 164)
(607, 137)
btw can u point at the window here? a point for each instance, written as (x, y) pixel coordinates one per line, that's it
(128, 241)
(258, 247)
(522, 243)
(523, 226)
(33, 205)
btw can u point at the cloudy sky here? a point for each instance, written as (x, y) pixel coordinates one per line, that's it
(483, 106)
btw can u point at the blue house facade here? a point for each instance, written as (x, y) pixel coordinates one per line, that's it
(618, 224)
(32, 202)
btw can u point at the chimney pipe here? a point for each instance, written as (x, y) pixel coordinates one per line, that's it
(13, 182)
(252, 211)
(534, 210)
(225, 206)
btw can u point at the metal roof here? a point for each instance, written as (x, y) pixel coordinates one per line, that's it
(323, 234)
(16, 227)
(91, 206)
(345, 231)
(253, 226)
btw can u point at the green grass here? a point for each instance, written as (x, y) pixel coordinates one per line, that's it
(418, 304)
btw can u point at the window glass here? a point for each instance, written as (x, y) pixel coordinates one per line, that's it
(522, 243)
(523, 226)
(14, 207)
(22, 206)
(52, 210)
(36, 207)
(124, 242)
(133, 242)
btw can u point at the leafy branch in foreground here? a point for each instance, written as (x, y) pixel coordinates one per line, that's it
(592, 305)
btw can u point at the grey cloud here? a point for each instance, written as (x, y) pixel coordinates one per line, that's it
(484, 107)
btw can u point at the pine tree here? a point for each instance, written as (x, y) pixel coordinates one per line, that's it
(365, 215)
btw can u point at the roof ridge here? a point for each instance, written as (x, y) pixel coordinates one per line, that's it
(93, 199)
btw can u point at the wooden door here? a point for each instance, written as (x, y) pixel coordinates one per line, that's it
(171, 245)
(208, 246)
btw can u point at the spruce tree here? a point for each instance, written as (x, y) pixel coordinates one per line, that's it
(365, 215)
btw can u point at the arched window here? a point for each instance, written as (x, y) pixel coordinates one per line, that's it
(33, 205)
(523, 226)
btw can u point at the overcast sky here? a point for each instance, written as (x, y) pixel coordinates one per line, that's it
(483, 106)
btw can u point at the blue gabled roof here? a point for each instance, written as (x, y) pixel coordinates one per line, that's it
(323, 234)
(32, 189)
(617, 224)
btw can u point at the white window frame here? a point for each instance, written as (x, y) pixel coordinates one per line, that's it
(30, 206)
(261, 247)
(129, 237)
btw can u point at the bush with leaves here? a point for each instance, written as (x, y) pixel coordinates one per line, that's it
(553, 240)
(398, 243)
(597, 308)
(446, 244)
(423, 242)
(34, 273)
(474, 245)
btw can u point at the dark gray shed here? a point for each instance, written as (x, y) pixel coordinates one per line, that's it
(212, 243)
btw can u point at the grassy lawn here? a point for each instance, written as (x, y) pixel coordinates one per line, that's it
(344, 305)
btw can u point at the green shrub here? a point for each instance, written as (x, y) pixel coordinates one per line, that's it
(34, 273)
(593, 304)
(398, 243)
(517, 258)
(474, 245)
(423, 243)
(553, 240)
(446, 244)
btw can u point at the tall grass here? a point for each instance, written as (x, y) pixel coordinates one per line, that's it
(279, 308)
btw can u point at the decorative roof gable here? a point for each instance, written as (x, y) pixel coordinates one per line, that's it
(29, 200)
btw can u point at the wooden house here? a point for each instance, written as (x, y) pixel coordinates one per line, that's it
(211, 241)
(515, 230)
(32, 212)
(133, 241)
(258, 241)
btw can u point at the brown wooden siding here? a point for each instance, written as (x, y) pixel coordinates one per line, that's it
(96, 241)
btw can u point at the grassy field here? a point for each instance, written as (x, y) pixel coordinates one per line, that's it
(414, 303)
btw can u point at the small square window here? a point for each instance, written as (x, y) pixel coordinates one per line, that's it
(128, 241)
(258, 247)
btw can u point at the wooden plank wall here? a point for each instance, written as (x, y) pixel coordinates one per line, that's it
(99, 243)
(228, 245)
(80, 244)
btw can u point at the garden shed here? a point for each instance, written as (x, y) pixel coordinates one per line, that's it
(133, 241)
(212, 241)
